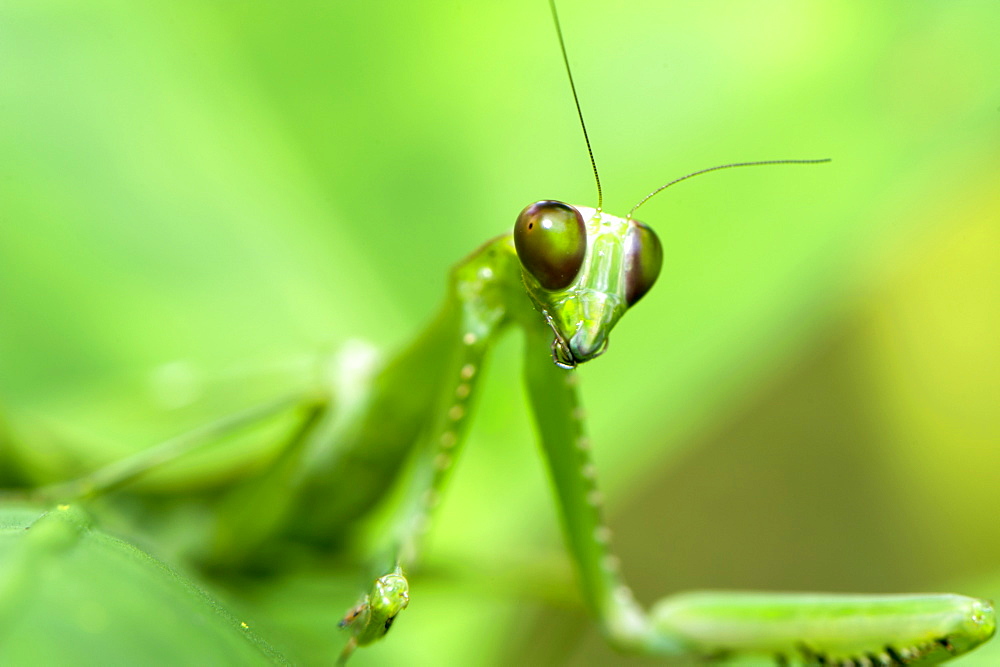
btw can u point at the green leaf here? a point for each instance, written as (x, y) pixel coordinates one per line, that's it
(71, 594)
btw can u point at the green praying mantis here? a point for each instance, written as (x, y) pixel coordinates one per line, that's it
(564, 277)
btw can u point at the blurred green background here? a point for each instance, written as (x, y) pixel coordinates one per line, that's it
(197, 198)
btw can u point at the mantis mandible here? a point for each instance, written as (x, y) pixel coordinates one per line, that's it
(564, 277)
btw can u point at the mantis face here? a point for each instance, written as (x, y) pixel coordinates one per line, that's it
(583, 269)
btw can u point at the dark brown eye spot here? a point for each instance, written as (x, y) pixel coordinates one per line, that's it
(644, 258)
(551, 242)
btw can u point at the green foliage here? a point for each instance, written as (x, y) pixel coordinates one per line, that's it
(72, 594)
(198, 197)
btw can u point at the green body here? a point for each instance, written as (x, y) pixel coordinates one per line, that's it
(488, 292)
(352, 445)
(351, 448)
(393, 431)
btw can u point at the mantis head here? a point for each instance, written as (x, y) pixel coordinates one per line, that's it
(583, 269)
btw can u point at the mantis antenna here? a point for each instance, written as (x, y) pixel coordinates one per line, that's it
(717, 168)
(576, 100)
(564, 276)
(590, 150)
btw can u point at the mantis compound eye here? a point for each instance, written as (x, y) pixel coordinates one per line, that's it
(551, 242)
(643, 259)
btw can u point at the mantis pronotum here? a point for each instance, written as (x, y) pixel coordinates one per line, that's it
(486, 295)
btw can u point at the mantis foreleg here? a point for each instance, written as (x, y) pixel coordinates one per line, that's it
(814, 628)
(486, 293)
(475, 311)
(566, 447)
